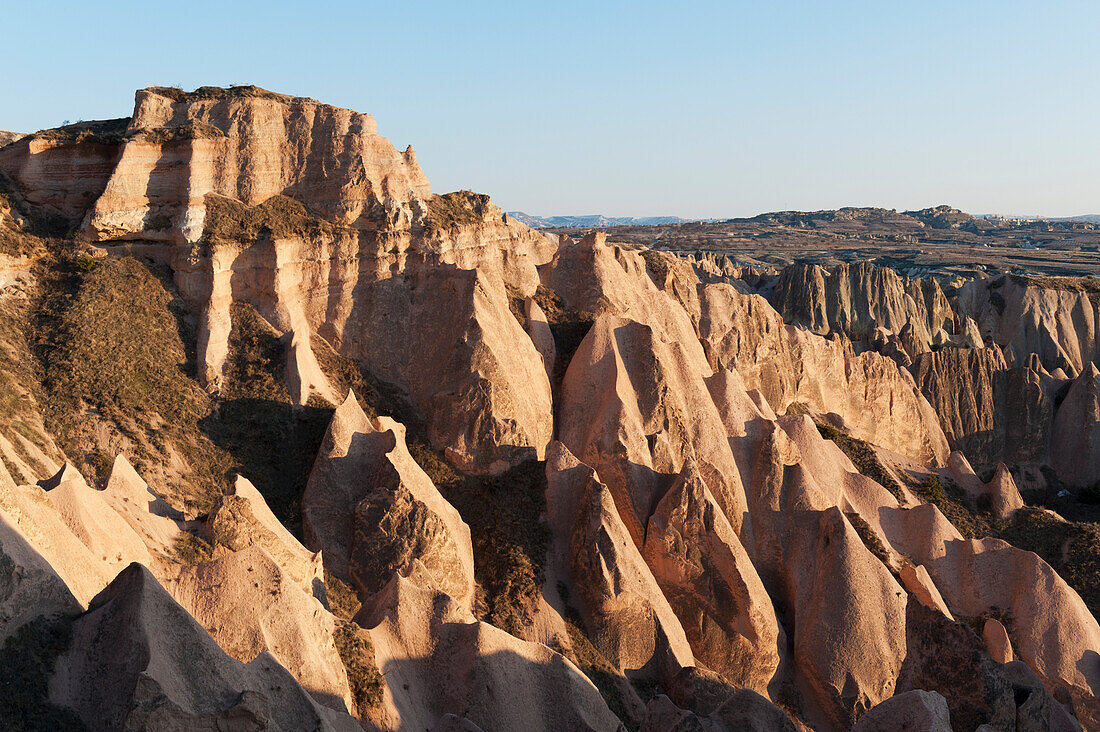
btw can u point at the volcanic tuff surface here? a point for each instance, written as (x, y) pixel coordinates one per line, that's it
(291, 442)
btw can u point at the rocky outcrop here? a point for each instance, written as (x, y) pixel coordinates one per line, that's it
(63, 171)
(137, 660)
(624, 611)
(635, 407)
(250, 606)
(1052, 630)
(989, 411)
(373, 511)
(439, 661)
(249, 145)
(1027, 317)
(915, 710)
(854, 300)
(1075, 435)
(705, 572)
(743, 710)
(876, 400)
(241, 519)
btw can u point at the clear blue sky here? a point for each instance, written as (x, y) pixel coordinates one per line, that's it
(643, 108)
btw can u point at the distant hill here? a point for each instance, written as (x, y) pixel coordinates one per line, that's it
(937, 217)
(594, 221)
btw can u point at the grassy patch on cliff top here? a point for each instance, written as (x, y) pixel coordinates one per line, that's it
(217, 93)
(100, 132)
(457, 208)
(656, 263)
(191, 130)
(956, 506)
(1069, 284)
(277, 217)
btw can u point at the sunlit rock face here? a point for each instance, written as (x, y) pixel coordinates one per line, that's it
(544, 483)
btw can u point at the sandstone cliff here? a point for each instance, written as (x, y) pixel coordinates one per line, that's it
(290, 442)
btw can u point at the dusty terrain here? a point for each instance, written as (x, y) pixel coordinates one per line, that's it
(288, 441)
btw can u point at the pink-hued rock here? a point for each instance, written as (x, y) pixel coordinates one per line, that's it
(1004, 496)
(539, 330)
(32, 588)
(593, 276)
(250, 148)
(913, 711)
(437, 659)
(137, 660)
(1075, 438)
(372, 511)
(917, 581)
(700, 565)
(997, 641)
(249, 605)
(91, 519)
(847, 661)
(743, 711)
(1060, 326)
(1053, 630)
(878, 401)
(241, 519)
(856, 299)
(63, 174)
(635, 407)
(626, 614)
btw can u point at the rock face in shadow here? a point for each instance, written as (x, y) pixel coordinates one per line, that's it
(438, 660)
(1075, 436)
(624, 611)
(137, 660)
(854, 300)
(1060, 326)
(990, 411)
(917, 709)
(372, 511)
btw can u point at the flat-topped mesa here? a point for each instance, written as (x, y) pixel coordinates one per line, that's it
(249, 144)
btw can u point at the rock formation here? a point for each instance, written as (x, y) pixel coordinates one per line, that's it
(459, 475)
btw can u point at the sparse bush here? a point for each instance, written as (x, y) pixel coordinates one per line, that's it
(191, 549)
(357, 653)
(862, 456)
(86, 264)
(932, 488)
(568, 326)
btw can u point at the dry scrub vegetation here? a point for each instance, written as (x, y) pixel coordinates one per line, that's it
(277, 217)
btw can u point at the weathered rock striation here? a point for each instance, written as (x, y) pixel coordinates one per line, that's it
(702, 496)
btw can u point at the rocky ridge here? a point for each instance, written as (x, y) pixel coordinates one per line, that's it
(702, 497)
